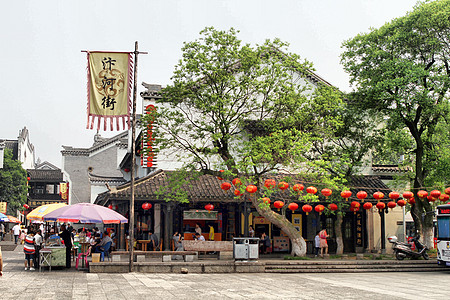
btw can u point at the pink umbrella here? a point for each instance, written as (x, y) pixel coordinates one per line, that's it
(85, 213)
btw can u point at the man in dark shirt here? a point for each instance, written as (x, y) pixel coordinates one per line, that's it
(154, 241)
(67, 238)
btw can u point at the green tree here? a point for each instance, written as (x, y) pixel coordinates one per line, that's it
(240, 108)
(13, 183)
(401, 71)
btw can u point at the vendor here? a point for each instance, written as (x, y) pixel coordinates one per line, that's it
(66, 236)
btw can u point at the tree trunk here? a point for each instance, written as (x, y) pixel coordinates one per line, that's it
(338, 232)
(297, 241)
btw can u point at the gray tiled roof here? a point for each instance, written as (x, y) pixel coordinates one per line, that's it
(45, 175)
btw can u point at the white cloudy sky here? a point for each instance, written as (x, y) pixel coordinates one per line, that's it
(43, 77)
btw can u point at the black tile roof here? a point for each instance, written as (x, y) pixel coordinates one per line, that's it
(45, 175)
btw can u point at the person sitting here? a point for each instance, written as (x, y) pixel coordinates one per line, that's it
(199, 237)
(153, 241)
(100, 246)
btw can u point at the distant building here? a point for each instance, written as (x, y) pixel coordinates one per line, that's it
(22, 149)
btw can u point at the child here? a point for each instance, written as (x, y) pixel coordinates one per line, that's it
(316, 244)
(22, 237)
(29, 250)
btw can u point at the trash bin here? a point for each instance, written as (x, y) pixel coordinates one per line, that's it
(245, 248)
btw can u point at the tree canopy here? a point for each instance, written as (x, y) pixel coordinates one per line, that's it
(13, 183)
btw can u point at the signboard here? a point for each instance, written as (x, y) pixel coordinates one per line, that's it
(359, 230)
(3, 207)
(444, 211)
(200, 215)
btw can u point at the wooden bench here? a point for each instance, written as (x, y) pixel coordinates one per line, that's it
(224, 249)
(142, 255)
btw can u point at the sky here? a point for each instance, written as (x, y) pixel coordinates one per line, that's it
(43, 68)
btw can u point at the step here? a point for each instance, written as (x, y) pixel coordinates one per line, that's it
(332, 266)
(351, 270)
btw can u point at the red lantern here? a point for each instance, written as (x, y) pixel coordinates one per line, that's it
(367, 205)
(307, 208)
(283, 185)
(26, 206)
(218, 177)
(251, 188)
(293, 206)
(431, 198)
(381, 205)
(361, 195)
(126, 170)
(266, 200)
(355, 204)
(346, 195)
(378, 195)
(278, 204)
(110, 206)
(319, 208)
(354, 209)
(237, 192)
(326, 192)
(394, 195)
(311, 190)
(401, 202)
(332, 206)
(422, 194)
(225, 186)
(408, 195)
(209, 207)
(444, 197)
(411, 200)
(270, 183)
(28, 178)
(391, 204)
(146, 206)
(435, 194)
(236, 182)
(447, 191)
(298, 187)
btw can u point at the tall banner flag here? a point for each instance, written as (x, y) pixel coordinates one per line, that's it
(109, 88)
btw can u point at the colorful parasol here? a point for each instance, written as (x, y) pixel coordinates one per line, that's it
(85, 213)
(3, 218)
(37, 213)
(13, 219)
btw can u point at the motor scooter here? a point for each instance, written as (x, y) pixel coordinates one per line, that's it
(403, 250)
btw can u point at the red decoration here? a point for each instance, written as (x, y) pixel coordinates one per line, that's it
(378, 195)
(332, 206)
(283, 185)
(326, 192)
(447, 191)
(435, 194)
(311, 190)
(361, 195)
(431, 198)
(237, 192)
(209, 207)
(391, 204)
(236, 182)
(355, 204)
(146, 206)
(115, 207)
(346, 195)
(225, 186)
(319, 208)
(110, 206)
(394, 195)
(126, 170)
(444, 197)
(218, 177)
(408, 195)
(266, 200)
(270, 183)
(381, 205)
(251, 188)
(28, 178)
(293, 206)
(307, 208)
(354, 209)
(298, 187)
(401, 202)
(411, 200)
(278, 204)
(367, 205)
(26, 206)
(422, 194)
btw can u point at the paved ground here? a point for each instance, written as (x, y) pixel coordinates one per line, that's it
(17, 283)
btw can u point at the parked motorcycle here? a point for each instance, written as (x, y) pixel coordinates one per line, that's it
(403, 250)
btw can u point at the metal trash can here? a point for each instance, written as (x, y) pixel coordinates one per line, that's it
(245, 248)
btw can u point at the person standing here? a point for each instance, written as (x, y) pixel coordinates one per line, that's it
(16, 232)
(153, 241)
(198, 229)
(66, 236)
(29, 250)
(211, 233)
(37, 247)
(323, 242)
(251, 231)
(2, 232)
(316, 244)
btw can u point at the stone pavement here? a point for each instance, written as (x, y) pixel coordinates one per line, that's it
(17, 283)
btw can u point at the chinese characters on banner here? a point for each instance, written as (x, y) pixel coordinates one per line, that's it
(147, 153)
(359, 230)
(64, 191)
(109, 88)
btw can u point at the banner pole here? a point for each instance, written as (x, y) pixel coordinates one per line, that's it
(133, 158)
